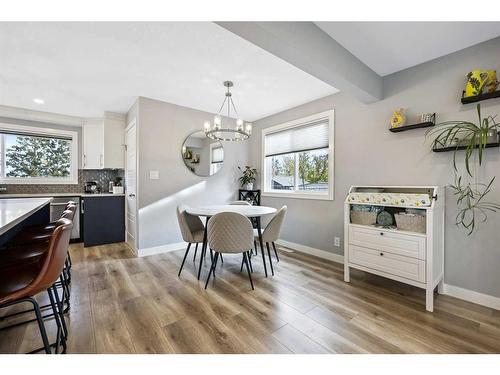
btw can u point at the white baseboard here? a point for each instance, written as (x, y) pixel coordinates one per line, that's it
(161, 249)
(311, 250)
(449, 290)
(472, 296)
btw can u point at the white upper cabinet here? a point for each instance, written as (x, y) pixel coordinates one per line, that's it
(103, 142)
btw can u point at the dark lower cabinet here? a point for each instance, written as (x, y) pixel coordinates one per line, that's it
(103, 220)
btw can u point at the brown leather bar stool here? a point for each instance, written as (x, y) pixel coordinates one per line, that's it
(31, 253)
(21, 283)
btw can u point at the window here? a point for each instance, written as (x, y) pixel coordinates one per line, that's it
(298, 158)
(32, 155)
(216, 157)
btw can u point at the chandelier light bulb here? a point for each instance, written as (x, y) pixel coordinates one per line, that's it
(248, 128)
(239, 124)
(206, 126)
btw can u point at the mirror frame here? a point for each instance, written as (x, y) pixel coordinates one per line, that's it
(191, 168)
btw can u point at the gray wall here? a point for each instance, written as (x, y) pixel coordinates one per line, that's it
(367, 153)
(162, 129)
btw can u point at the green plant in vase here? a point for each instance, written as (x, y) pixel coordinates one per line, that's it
(473, 139)
(248, 177)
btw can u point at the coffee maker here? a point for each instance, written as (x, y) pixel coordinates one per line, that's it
(91, 187)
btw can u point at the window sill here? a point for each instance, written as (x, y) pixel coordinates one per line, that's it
(323, 197)
(38, 182)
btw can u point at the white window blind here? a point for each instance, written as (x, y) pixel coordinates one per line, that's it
(217, 155)
(310, 136)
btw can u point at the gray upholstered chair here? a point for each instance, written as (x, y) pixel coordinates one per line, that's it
(192, 230)
(272, 231)
(230, 233)
(240, 203)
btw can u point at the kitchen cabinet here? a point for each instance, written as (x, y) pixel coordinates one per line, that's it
(103, 142)
(103, 219)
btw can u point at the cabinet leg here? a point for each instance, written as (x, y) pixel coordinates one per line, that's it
(429, 299)
(347, 276)
(441, 286)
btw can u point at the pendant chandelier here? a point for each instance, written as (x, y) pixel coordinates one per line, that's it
(221, 132)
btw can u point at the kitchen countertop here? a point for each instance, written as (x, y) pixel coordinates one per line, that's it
(7, 195)
(13, 211)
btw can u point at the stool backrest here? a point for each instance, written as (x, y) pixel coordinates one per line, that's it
(52, 262)
(68, 214)
(230, 232)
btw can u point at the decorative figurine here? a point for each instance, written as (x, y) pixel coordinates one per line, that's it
(398, 118)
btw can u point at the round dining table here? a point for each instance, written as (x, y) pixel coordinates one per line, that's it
(252, 212)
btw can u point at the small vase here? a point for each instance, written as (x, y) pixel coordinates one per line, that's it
(249, 186)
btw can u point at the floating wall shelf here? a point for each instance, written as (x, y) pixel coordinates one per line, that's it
(453, 148)
(479, 98)
(411, 127)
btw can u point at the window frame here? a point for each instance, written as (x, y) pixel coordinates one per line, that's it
(46, 132)
(300, 194)
(219, 164)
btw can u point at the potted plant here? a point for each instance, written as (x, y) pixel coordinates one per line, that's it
(248, 177)
(473, 138)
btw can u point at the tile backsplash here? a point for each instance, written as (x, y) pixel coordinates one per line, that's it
(102, 176)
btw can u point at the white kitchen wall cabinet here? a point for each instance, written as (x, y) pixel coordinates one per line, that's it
(103, 142)
(413, 255)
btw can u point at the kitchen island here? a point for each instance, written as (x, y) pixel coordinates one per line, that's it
(15, 214)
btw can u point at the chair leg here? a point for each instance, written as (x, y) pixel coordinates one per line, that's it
(275, 252)
(210, 272)
(66, 293)
(221, 259)
(59, 303)
(183, 260)
(255, 247)
(248, 269)
(41, 326)
(216, 259)
(249, 254)
(269, 256)
(60, 335)
(195, 251)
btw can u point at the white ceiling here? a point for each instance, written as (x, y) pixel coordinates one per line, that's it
(388, 47)
(84, 69)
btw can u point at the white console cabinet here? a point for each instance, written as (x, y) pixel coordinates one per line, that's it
(103, 142)
(413, 258)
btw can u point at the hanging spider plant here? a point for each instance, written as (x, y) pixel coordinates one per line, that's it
(472, 206)
(473, 138)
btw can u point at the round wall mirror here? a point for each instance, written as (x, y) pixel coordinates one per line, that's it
(201, 155)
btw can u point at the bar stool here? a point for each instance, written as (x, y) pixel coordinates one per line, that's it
(21, 283)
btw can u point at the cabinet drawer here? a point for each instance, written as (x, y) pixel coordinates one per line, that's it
(409, 268)
(388, 241)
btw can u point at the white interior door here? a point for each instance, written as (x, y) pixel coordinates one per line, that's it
(131, 185)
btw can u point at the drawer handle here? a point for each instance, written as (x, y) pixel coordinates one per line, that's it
(381, 233)
(381, 254)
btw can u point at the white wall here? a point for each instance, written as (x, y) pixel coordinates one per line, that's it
(367, 153)
(162, 129)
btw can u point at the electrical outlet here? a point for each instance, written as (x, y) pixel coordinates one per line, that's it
(336, 241)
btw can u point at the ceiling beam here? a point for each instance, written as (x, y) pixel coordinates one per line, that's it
(306, 46)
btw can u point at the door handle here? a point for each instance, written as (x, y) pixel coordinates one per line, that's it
(131, 195)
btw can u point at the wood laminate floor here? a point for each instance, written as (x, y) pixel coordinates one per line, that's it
(122, 304)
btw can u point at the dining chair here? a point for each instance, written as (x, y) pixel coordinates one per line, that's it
(192, 230)
(240, 203)
(272, 232)
(230, 233)
(20, 283)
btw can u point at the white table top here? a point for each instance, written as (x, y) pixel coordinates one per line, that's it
(13, 211)
(248, 211)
